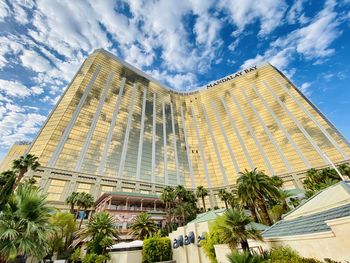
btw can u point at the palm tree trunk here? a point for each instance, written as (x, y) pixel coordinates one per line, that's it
(72, 209)
(285, 205)
(77, 215)
(253, 212)
(204, 204)
(264, 213)
(19, 178)
(245, 246)
(226, 204)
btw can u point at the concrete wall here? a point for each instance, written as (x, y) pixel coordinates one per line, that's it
(191, 253)
(333, 244)
(126, 256)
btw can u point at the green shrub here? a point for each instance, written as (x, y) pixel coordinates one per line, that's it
(288, 255)
(89, 258)
(212, 238)
(245, 257)
(76, 255)
(156, 249)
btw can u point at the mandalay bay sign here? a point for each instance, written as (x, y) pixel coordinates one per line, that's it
(233, 76)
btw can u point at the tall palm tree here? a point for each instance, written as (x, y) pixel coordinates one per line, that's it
(99, 233)
(143, 226)
(85, 201)
(233, 226)
(24, 224)
(25, 162)
(253, 188)
(62, 237)
(202, 192)
(72, 200)
(277, 181)
(168, 198)
(7, 180)
(224, 196)
(181, 193)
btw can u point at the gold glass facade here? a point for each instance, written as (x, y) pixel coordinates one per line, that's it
(113, 121)
(16, 151)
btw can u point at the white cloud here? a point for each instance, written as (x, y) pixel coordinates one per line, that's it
(51, 100)
(37, 90)
(15, 126)
(313, 41)
(14, 88)
(34, 61)
(4, 10)
(268, 12)
(296, 14)
(8, 46)
(305, 88)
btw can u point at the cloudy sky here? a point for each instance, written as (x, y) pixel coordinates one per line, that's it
(182, 43)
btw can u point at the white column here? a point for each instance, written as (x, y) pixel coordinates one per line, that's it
(94, 123)
(74, 118)
(139, 156)
(111, 128)
(127, 132)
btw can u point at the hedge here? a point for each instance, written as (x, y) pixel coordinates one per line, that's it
(156, 249)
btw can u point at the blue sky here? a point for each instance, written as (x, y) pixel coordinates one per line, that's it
(182, 43)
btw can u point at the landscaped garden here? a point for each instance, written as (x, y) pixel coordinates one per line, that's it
(29, 227)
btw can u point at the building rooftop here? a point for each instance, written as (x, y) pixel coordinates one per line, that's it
(207, 216)
(311, 216)
(307, 224)
(126, 194)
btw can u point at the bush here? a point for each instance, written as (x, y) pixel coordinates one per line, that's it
(156, 249)
(245, 257)
(75, 257)
(288, 255)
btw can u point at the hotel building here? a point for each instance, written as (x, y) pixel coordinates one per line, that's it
(117, 129)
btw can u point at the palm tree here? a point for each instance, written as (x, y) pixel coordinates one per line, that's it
(24, 224)
(201, 192)
(168, 198)
(181, 193)
(143, 226)
(233, 226)
(62, 237)
(99, 233)
(7, 180)
(85, 201)
(224, 196)
(253, 188)
(277, 181)
(72, 200)
(25, 162)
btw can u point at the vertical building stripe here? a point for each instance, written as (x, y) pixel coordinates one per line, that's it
(204, 162)
(268, 133)
(154, 138)
(165, 150)
(94, 123)
(111, 128)
(281, 126)
(187, 148)
(233, 124)
(301, 128)
(252, 133)
(233, 159)
(305, 110)
(139, 156)
(127, 131)
(175, 147)
(217, 152)
(74, 118)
